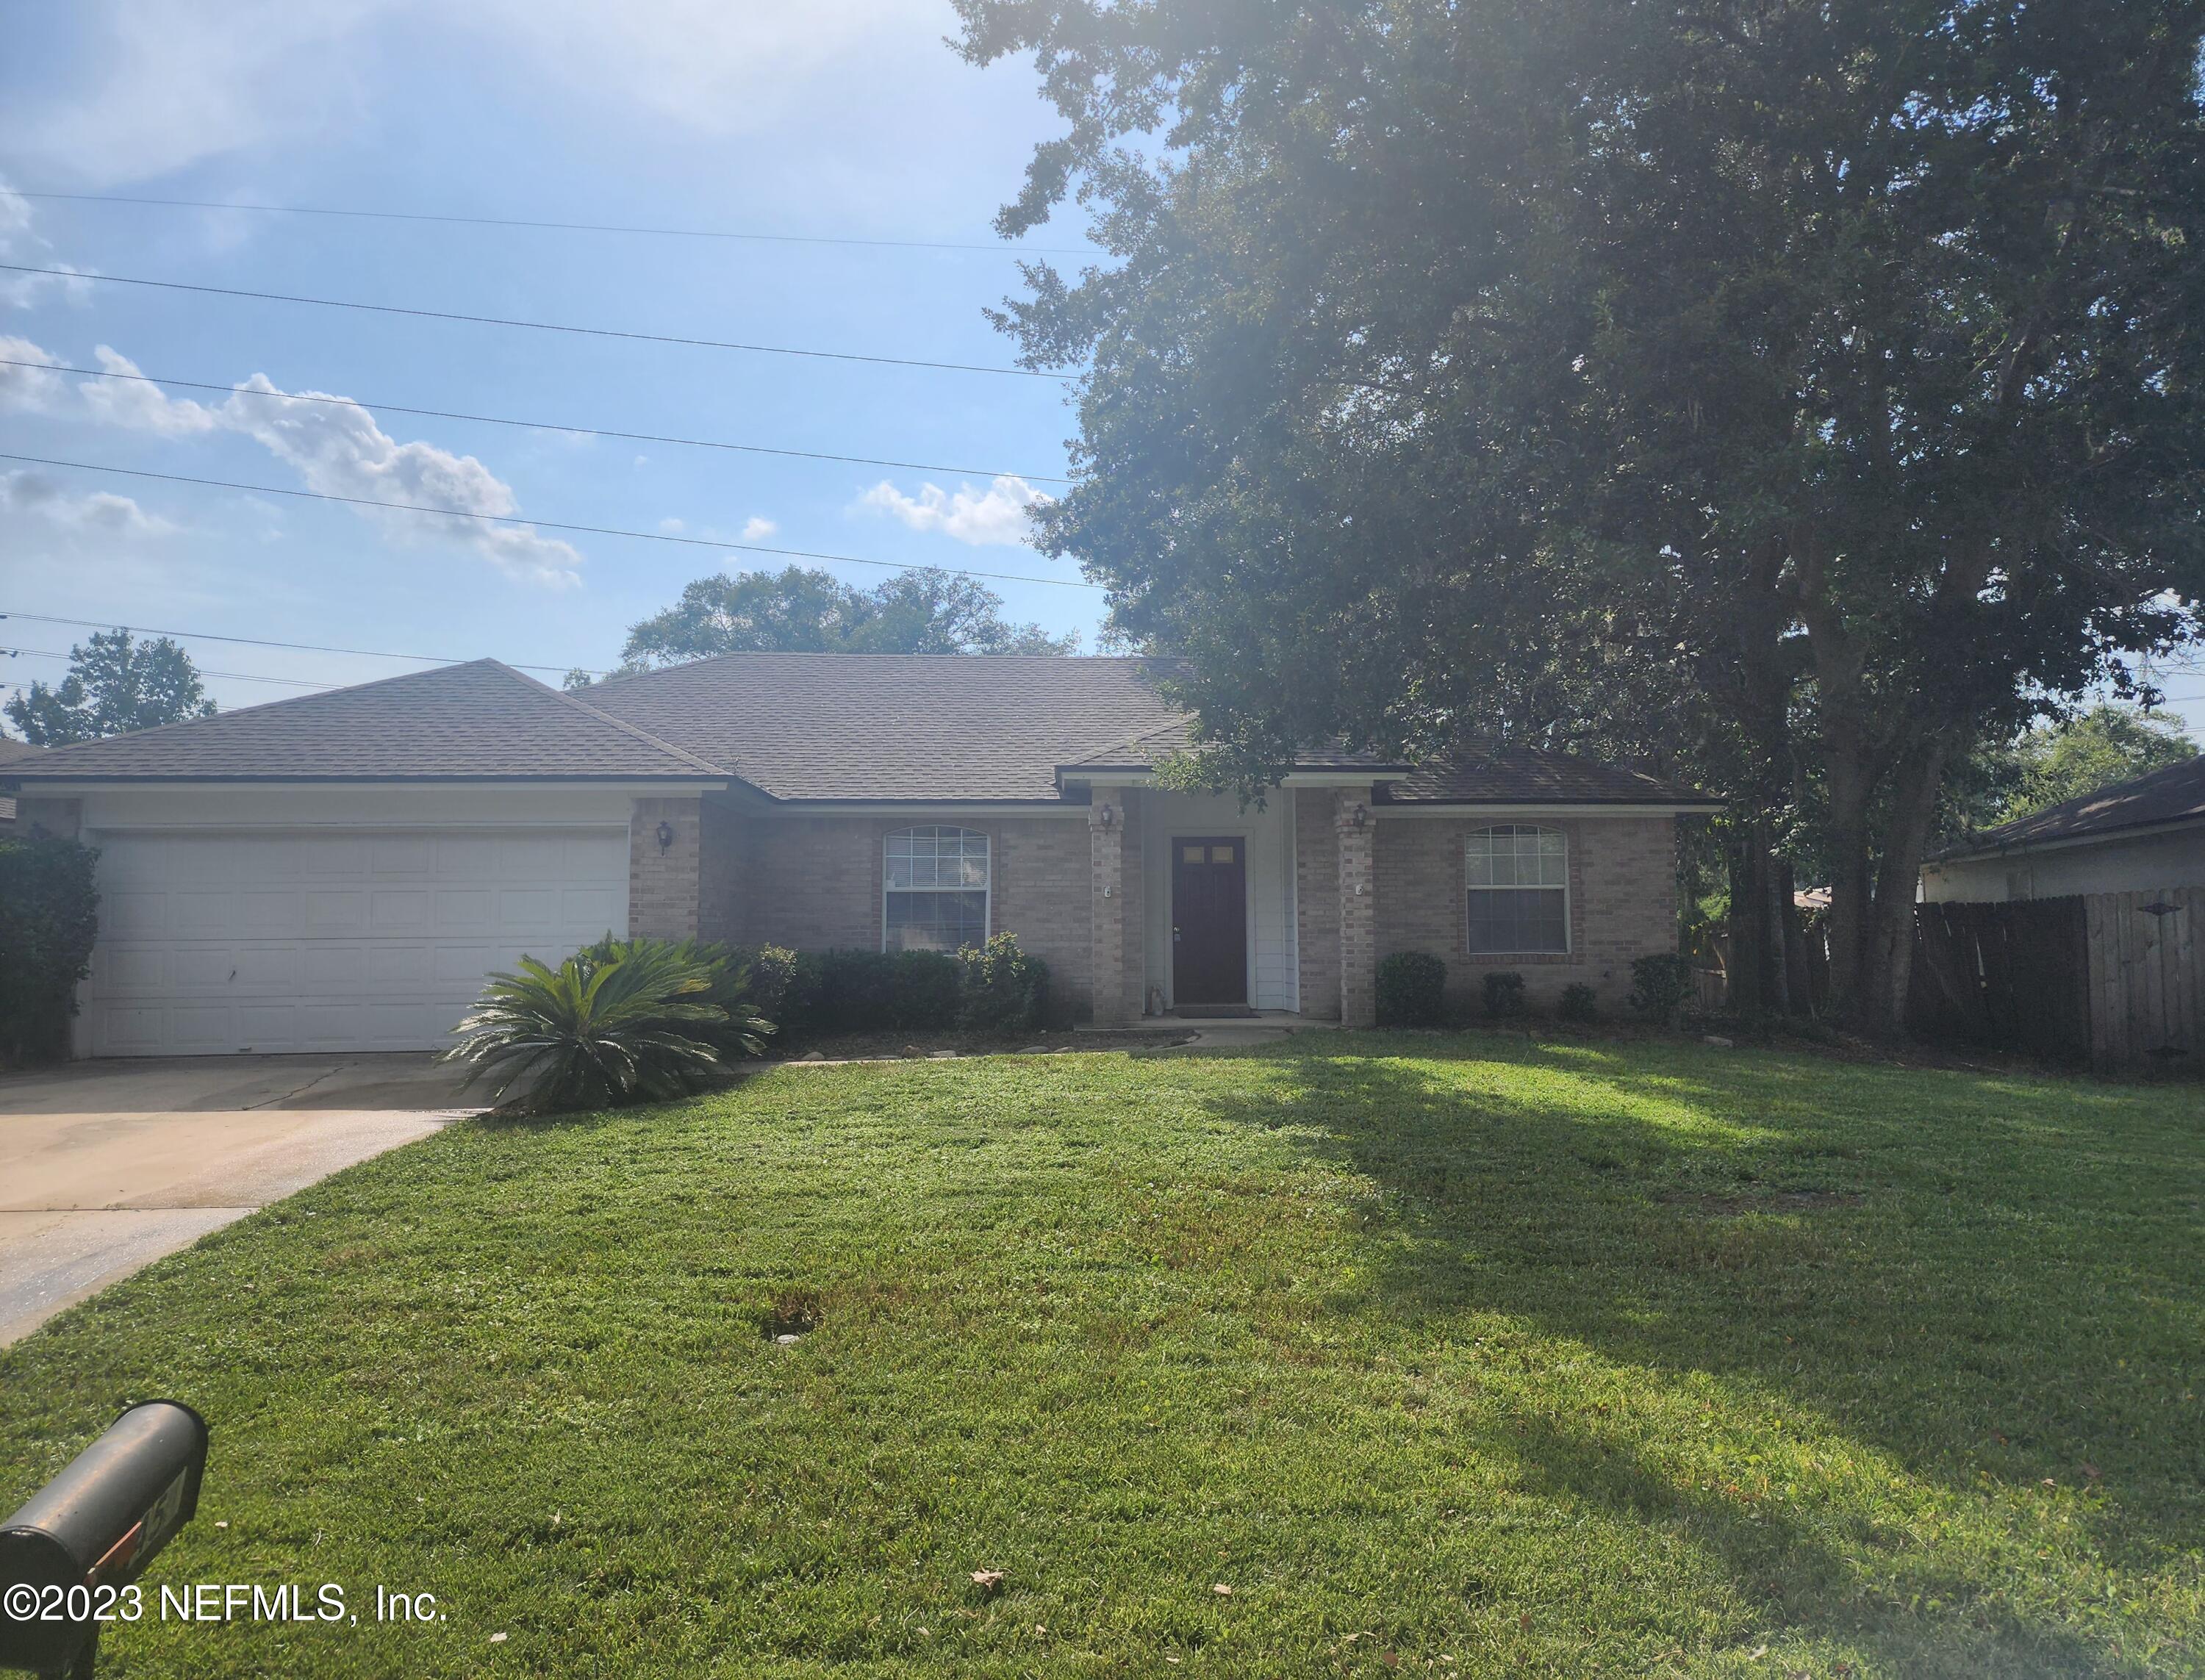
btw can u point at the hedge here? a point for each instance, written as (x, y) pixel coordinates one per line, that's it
(49, 918)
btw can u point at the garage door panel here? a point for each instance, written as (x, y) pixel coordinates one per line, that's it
(398, 910)
(461, 910)
(272, 914)
(299, 941)
(129, 914)
(329, 912)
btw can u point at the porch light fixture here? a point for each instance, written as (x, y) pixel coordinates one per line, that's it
(1360, 814)
(665, 835)
(1108, 817)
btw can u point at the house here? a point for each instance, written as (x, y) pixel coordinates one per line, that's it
(341, 870)
(2138, 836)
(12, 751)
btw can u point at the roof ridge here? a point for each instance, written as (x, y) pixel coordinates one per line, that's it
(626, 728)
(1052, 659)
(2079, 804)
(1178, 721)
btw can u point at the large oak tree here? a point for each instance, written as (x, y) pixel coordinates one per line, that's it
(1796, 391)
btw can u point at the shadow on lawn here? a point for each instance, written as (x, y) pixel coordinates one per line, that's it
(1961, 1273)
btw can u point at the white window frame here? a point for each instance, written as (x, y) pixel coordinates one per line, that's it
(1569, 942)
(987, 889)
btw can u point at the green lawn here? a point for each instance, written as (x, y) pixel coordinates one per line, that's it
(1456, 1354)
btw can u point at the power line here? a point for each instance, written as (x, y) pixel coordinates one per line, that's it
(533, 326)
(566, 227)
(260, 642)
(538, 426)
(234, 676)
(547, 524)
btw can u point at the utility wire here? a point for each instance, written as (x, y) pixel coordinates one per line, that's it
(234, 676)
(538, 426)
(261, 641)
(566, 227)
(533, 326)
(547, 524)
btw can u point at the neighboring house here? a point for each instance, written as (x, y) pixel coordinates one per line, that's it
(341, 870)
(12, 751)
(2133, 837)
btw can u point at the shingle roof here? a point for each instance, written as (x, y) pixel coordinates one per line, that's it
(1142, 752)
(477, 721)
(2174, 794)
(1520, 776)
(823, 725)
(11, 749)
(794, 726)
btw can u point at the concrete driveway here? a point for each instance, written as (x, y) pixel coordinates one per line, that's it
(106, 1166)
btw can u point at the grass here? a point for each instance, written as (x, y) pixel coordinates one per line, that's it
(1451, 1355)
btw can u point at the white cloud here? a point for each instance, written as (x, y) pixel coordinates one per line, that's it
(101, 511)
(999, 516)
(131, 399)
(758, 528)
(19, 243)
(334, 444)
(338, 449)
(32, 388)
(153, 87)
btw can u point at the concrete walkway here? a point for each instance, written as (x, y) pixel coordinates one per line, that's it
(107, 1166)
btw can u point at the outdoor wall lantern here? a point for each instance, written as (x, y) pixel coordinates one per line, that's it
(1360, 814)
(665, 835)
(1108, 817)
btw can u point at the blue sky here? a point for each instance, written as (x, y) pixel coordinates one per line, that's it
(845, 119)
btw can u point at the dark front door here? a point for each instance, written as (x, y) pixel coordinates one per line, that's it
(1210, 920)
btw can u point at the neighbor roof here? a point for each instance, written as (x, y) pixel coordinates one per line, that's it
(480, 721)
(2175, 794)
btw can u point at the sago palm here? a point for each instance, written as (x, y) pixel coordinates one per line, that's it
(595, 1031)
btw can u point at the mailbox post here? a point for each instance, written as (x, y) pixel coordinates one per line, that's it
(95, 1526)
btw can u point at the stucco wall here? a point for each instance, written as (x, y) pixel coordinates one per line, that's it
(2139, 864)
(1622, 880)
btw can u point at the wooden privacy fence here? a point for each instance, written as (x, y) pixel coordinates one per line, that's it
(2111, 982)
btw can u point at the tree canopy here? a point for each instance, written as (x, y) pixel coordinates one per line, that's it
(801, 611)
(1791, 394)
(114, 684)
(2055, 762)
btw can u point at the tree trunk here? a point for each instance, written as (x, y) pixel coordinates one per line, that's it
(1798, 985)
(1915, 783)
(1851, 896)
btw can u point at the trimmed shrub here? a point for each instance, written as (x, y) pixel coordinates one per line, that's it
(772, 970)
(621, 1021)
(49, 917)
(1004, 989)
(1579, 1002)
(925, 991)
(1659, 985)
(1412, 990)
(1504, 995)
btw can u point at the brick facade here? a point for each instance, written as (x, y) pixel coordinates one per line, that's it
(1316, 900)
(1623, 903)
(663, 880)
(815, 882)
(1354, 834)
(1110, 924)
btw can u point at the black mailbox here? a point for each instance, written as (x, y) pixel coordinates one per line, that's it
(96, 1525)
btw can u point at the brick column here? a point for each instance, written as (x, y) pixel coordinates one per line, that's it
(1358, 908)
(661, 879)
(1106, 840)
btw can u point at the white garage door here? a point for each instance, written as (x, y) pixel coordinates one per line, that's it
(301, 940)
